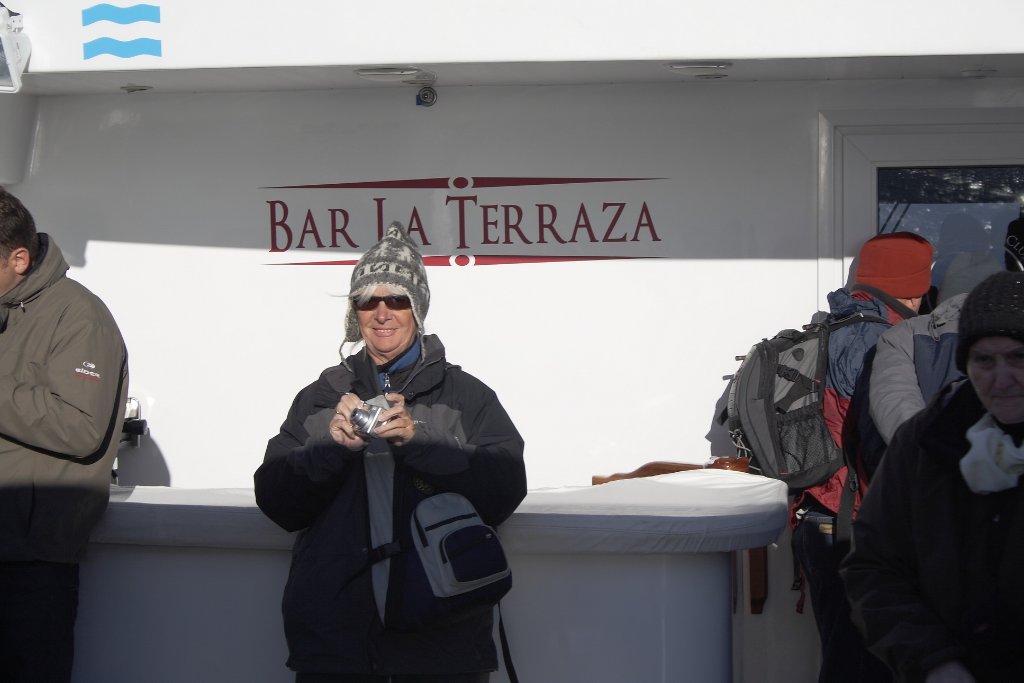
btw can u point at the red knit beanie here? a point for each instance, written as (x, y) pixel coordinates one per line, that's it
(898, 263)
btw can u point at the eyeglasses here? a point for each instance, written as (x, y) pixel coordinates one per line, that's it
(394, 302)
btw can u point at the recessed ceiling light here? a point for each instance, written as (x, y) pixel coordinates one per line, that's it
(420, 78)
(387, 74)
(698, 66)
(978, 72)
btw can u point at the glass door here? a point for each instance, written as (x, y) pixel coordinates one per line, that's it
(978, 209)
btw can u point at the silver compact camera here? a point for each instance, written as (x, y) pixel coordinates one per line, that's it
(365, 420)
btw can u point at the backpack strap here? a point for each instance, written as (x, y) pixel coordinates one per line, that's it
(373, 556)
(860, 318)
(844, 517)
(889, 300)
(843, 532)
(803, 385)
(383, 552)
(506, 653)
(799, 580)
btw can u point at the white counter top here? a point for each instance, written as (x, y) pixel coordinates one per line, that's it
(684, 512)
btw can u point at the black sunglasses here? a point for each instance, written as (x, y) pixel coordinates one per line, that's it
(392, 301)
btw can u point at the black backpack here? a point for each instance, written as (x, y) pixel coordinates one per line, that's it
(775, 404)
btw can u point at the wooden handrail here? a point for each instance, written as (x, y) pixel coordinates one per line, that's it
(648, 470)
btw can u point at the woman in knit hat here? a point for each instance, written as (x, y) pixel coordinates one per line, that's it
(934, 577)
(392, 424)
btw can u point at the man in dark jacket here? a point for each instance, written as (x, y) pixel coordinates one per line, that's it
(891, 278)
(351, 490)
(63, 376)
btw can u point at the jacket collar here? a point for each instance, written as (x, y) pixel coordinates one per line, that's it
(946, 313)
(951, 413)
(50, 267)
(427, 373)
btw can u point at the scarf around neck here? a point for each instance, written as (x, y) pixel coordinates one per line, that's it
(993, 462)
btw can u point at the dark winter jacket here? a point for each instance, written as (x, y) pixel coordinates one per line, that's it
(464, 442)
(935, 571)
(63, 378)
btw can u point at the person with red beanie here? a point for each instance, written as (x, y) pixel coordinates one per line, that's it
(891, 277)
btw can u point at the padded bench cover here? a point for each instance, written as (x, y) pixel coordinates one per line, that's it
(684, 512)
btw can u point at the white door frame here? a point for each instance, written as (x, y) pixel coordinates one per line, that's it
(854, 144)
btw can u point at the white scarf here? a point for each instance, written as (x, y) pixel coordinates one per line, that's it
(993, 462)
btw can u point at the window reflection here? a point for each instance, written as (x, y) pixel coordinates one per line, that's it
(957, 208)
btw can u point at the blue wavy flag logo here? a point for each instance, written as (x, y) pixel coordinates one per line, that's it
(125, 49)
(120, 15)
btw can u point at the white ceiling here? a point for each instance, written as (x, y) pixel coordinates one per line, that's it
(523, 73)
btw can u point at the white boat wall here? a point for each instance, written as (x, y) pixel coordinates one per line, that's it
(630, 581)
(604, 234)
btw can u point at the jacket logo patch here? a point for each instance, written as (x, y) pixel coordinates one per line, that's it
(88, 371)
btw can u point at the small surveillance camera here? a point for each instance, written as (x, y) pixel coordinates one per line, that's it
(426, 97)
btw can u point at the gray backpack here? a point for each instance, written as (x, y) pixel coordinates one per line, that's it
(775, 404)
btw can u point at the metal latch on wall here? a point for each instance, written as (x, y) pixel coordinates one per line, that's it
(134, 426)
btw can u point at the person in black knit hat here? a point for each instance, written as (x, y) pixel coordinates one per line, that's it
(994, 308)
(934, 575)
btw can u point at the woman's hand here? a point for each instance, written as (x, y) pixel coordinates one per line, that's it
(396, 425)
(950, 672)
(341, 428)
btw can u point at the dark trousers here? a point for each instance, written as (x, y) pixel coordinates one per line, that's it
(357, 678)
(844, 657)
(38, 605)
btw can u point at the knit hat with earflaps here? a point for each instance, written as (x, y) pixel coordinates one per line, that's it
(995, 308)
(396, 262)
(898, 263)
